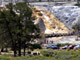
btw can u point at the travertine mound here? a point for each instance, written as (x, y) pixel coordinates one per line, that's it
(48, 22)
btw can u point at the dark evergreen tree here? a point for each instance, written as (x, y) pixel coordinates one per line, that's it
(19, 26)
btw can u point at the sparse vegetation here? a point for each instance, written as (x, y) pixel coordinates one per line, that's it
(48, 55)
(63, 44)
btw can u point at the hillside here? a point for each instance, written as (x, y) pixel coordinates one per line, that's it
(48, 22)
(69, 15)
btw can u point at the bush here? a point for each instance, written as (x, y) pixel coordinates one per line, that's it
(36, 46)
(59, 44)
(77, 4)
(47, 53)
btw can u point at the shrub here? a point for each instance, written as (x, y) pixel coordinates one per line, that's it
(77, 5)
(36, 46)
(59, 44)
(47, 53)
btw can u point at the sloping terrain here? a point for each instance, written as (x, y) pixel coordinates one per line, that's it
(48, 22)
(69, 15)
(66, 13)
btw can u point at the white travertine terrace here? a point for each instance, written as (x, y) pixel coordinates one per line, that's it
(69, 15)
(51, 23)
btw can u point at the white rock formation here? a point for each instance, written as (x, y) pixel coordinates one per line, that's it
(48, 23)
(69, 15)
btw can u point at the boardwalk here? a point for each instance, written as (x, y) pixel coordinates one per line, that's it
(58, 35)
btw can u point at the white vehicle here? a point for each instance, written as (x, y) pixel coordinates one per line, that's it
(77, 47)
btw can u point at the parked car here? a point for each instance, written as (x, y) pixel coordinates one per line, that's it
(71, 46)
(65, 47)
(77, 47)
(52, 46)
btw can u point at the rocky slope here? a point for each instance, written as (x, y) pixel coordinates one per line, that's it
(48, 22)
(69, 15)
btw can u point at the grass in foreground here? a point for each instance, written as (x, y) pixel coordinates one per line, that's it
(47, 55)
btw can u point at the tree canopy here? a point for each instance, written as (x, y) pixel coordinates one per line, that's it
(17, 26)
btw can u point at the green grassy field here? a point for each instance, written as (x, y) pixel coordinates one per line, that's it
(47, 55)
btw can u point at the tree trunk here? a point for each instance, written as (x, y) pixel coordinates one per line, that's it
(24, 51)
(2, 49)
(19, 49)
(6, 49)
(15, 52)
(19, 52)
(12, 41)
